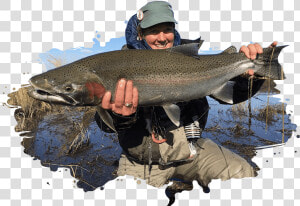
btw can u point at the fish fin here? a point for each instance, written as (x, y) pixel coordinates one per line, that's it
(189, 41)
(190, 49)
(267, 63)
(200, 42)
(106, 118)
(173, 112)
(148, 125)
(224, 93)
(230, 50)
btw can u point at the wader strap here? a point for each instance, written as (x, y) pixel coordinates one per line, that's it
(157, 140)
(156, 128)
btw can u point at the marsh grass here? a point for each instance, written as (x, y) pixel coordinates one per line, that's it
(30, 112)
(271, 113)
(29, 109)
(241, 111)
(81, 139)
(28, 104)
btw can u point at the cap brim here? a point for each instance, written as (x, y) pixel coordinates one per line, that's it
(146, 23)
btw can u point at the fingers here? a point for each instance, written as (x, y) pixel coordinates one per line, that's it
(246, 51)
(128, 110)
(119, 96)
(258, 48)
(105, 104)
(126, 98)
(274, 44)
(120, 93)
(135, 97)
(251, 50)
(129, 92)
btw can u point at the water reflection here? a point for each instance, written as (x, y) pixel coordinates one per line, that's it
(63, 136)
(54, 135)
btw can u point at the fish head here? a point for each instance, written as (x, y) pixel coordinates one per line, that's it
(62, 86)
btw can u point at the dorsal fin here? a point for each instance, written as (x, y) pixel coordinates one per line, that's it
(230, 50)
(190, 49)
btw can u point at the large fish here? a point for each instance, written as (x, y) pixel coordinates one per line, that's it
(163, 77)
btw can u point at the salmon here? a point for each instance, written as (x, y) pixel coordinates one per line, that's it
(162, 77)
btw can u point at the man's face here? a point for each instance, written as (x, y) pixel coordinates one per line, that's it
(160, 36)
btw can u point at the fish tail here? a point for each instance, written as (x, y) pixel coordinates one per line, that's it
(268, 61)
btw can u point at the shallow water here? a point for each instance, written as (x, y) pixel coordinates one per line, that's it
(50, 130)
(93, 164)
(49, 133)
(243, 129)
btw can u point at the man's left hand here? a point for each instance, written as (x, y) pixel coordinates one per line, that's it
(251, 52)
(253, 49)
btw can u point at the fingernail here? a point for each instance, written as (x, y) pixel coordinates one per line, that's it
(122, 83)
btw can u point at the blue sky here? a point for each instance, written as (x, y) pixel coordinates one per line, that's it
(73, 54)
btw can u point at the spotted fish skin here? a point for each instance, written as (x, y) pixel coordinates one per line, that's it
(161, 76)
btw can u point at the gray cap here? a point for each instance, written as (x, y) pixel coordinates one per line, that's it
(155, 12)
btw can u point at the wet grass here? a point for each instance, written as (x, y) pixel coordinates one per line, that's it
(64, 136)
(242, 128)
(28, 109)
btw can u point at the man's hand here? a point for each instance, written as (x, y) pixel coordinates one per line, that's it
(126, 98)
(252, 50)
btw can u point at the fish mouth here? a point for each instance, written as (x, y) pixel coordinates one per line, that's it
(46, 96)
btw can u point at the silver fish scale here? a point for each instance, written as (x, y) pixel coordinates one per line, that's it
(161, 76)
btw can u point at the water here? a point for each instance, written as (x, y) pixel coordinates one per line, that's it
(49, 133)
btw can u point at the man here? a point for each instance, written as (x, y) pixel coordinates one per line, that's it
(140, 128)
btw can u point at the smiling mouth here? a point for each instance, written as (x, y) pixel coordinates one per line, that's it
(162, 46)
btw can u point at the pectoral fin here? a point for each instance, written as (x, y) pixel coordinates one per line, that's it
(106, 118)
(173, 112)
(224, 93)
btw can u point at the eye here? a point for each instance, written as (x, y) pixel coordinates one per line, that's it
(155, 31)
(68, 88)
(151, 32)
(169, 30)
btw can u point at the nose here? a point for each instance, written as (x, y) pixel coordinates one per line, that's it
(161, 37)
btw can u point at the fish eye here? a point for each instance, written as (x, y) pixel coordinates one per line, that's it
(68, 88)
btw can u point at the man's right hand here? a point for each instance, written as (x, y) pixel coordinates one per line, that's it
(126, 98)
